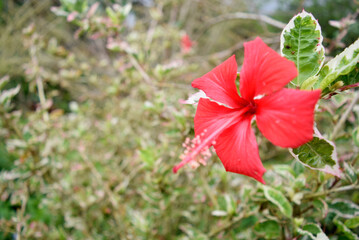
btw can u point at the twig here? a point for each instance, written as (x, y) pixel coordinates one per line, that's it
(226, 226)
(39, 83)
(138, 67)
(252, 16)
(341, 90)
(227, 52)
(344, 117)
(99, 179)
(21, 215)
(335, 190)
(208, 190)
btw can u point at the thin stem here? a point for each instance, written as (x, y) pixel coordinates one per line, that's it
(40, 91)
(99, 179)
(138, 67)
(335, 190)
(226, 226)
(39, 83)
(344, 116)
(253, 16)
(21, 215)
(238, 16)
(207, 189)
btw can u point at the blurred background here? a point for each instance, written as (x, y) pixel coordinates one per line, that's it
(94, 126)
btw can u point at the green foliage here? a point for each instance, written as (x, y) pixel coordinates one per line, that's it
(91, 127)
(345, 231)
(342, 64)
(316, 153)
(301, 42)
(74, 5)
(345, 209)
(269, 229)
(353, 222)
(277, 198)
(319, 154)
(313, 231)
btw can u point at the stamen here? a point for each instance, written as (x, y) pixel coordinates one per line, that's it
(201, 157)
(197, 150)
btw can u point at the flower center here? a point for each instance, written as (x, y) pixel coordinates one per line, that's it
(252, 107)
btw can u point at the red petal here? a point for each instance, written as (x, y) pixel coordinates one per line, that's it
(210, 121)
(219, 84)
(286, 117)
(238, 150)
(211, 116)
(264, 71)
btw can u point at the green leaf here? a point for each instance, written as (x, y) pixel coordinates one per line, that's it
(350, 78)
(309, 83)
(350, 173)
(227, 204)
(313, 231)
(278, 199)
(301, 42)
(270, 229)
(193, 232)
(346, 231)
(321, 205)
(342, 64)
(352, 223)
(74, 5)
(344, 208)
(112, 15)
(3, 81)
(356, 136)
(318, 154)
(312, 228)
(7, 95)
(246, 223)
(148, 156)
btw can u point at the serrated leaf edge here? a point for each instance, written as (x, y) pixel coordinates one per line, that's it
(333, 170)
(291, 25)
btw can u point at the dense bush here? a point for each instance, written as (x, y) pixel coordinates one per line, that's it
(92, 125)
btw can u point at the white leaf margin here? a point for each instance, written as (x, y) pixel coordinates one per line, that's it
(7, 95)
(320, 236)
(291, 25)
(334, 63)
(3, 81)
(351, 204)
(333, 170)
(267, 195)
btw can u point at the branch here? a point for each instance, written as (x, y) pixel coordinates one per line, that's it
(226, 226)
(335, 190)
(99, 179)
(344, 117)
(239, 45)
(252, 16)
(138, 67)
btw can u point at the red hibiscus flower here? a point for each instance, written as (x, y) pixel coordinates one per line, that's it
(223, 120)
